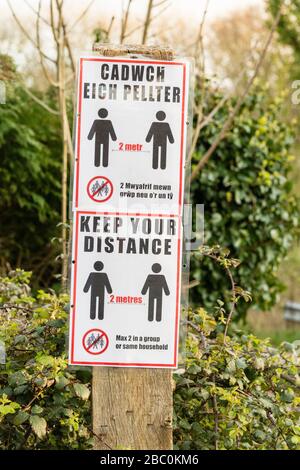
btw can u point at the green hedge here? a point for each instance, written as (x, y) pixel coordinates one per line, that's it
(243, 394)
(44, 404)
(247, 192)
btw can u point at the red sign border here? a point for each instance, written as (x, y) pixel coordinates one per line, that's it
(74, 286)
(79, 110)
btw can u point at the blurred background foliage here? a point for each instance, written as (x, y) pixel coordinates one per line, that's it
(30, 186)
(249, 206)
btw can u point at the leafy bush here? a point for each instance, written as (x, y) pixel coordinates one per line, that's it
(236, 393)
(30, 181)
(44, 404)
(288, 29)
(247, 193)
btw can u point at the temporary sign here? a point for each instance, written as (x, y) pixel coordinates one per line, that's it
(131, 129)
(127, 201)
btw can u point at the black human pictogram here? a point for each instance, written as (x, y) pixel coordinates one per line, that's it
(98, 283)
(102, 129)
(160, 132)
(156, 284)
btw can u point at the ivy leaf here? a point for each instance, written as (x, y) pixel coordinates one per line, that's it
(184, 424)
(36, 410)
(241, 363)
(20, 418)
(61, 383)
(259, 363)
(287, 396)
(9, 408)
(39, 426)
(81, 391)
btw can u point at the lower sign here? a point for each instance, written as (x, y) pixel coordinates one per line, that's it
(125, 290)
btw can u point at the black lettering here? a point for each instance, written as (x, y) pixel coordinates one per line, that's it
(168, 250)
(125, 72)
(84, 223)
(109, 248)
(121, 244)
(86, 90)
(134, 223)
(160, 74)
(156, 246)
(105, 71)
(146, 226)
(144, 246)
(127, 91)
(131, 247)
(106, 224)
(150, 73)
(118, 223)
(176, 94)
(88, 244)
(171, 227)
(137, 73)
(102, 91)
(96, 224)
(167, 94)
(136, 90)
(115, 72)
(112, 92)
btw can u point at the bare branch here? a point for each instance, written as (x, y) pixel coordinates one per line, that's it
(226, 126)
(68, 46)
(26, 33)
(147, 21)
(160, 12)
(199, 110)
(124, 22)
(160, 3)
(39, 48)
(39, 101)
(204, 121)
(110, 26)
(85, 11)
(216, 415)
(233, 292)
(142, 25)
(134, 30)
(53, 27)
(199, 39)
(36, 12)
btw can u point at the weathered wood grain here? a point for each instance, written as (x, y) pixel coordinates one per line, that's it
(132, 408)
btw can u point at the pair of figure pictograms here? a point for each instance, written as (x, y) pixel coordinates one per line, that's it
(98, 282)
(102, 131)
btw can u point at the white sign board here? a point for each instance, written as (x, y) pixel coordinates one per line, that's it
(127, 201)
(130, 136)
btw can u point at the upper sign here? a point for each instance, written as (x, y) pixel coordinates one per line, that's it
(130, 135)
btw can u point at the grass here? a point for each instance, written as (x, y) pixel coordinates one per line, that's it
(279, 336)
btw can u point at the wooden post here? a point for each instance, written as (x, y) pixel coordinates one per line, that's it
(132, 408)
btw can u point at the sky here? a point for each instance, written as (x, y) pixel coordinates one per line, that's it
(191, 8)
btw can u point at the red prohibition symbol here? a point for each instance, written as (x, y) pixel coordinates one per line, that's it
(100, 189)
(95, 341)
